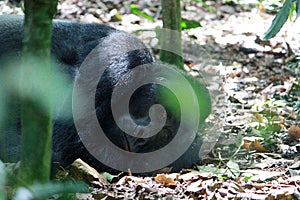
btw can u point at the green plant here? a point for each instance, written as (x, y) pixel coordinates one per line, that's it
(269, 137)
(37, 190)
(270, 128)
(286, 11)
(43, 191)
(135, 10)
(294, 64)
(188, 24)
(2, 181)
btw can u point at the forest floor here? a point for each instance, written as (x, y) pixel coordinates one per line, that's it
(251, 142)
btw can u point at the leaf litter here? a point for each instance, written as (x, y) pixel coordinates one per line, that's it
(256, 95)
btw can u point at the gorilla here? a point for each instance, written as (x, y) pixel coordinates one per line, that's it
(72, 43)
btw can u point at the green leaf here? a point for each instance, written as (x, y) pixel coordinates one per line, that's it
(247, 178)
(209, 171)
(134, 9)
(234, 168)
(239, 140)
(109, 176)
(279, 20)
(297, 8)
(2, 181)
(188, 24)
(43, 191)
(47, 92)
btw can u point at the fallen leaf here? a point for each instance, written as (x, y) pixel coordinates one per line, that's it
(195, 186)
(193, 175)
(163, 179)
(234, 168)
(109, 176)
(247, 145)
(258, 186)
(294, 132)
(82, 171)
(260, 175)
(258, 146)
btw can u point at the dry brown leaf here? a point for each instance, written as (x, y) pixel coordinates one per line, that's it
(190, 65)
(259, 186)
(247, 145)
(82, 171)
(261, 42)
(294, 132)
(258, 146)
(163, 179)
(233, 75)
(281, 126)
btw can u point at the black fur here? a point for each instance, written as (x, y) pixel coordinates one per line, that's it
(71, 43)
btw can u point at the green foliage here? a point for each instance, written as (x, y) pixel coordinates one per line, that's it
(135, 10)
(109, 176)
(46, 93)
(281, 17)
(296, 90)
(270, 6)
(273, 103)
(231, 170)
(43, 191)
(268, 127)
(2, 181)
(192, 87)
(234, 168)
(239, 140)
(269, 137)
(234, 148)
(294, 64)
(296, 103)
(188, 24)
(35, 191)
(297, 8)
(247, 178)
(232, 1)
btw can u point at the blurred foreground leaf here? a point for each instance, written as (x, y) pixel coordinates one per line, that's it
(57, 91)
(2, 181)
(42, 191)
(279, 20)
